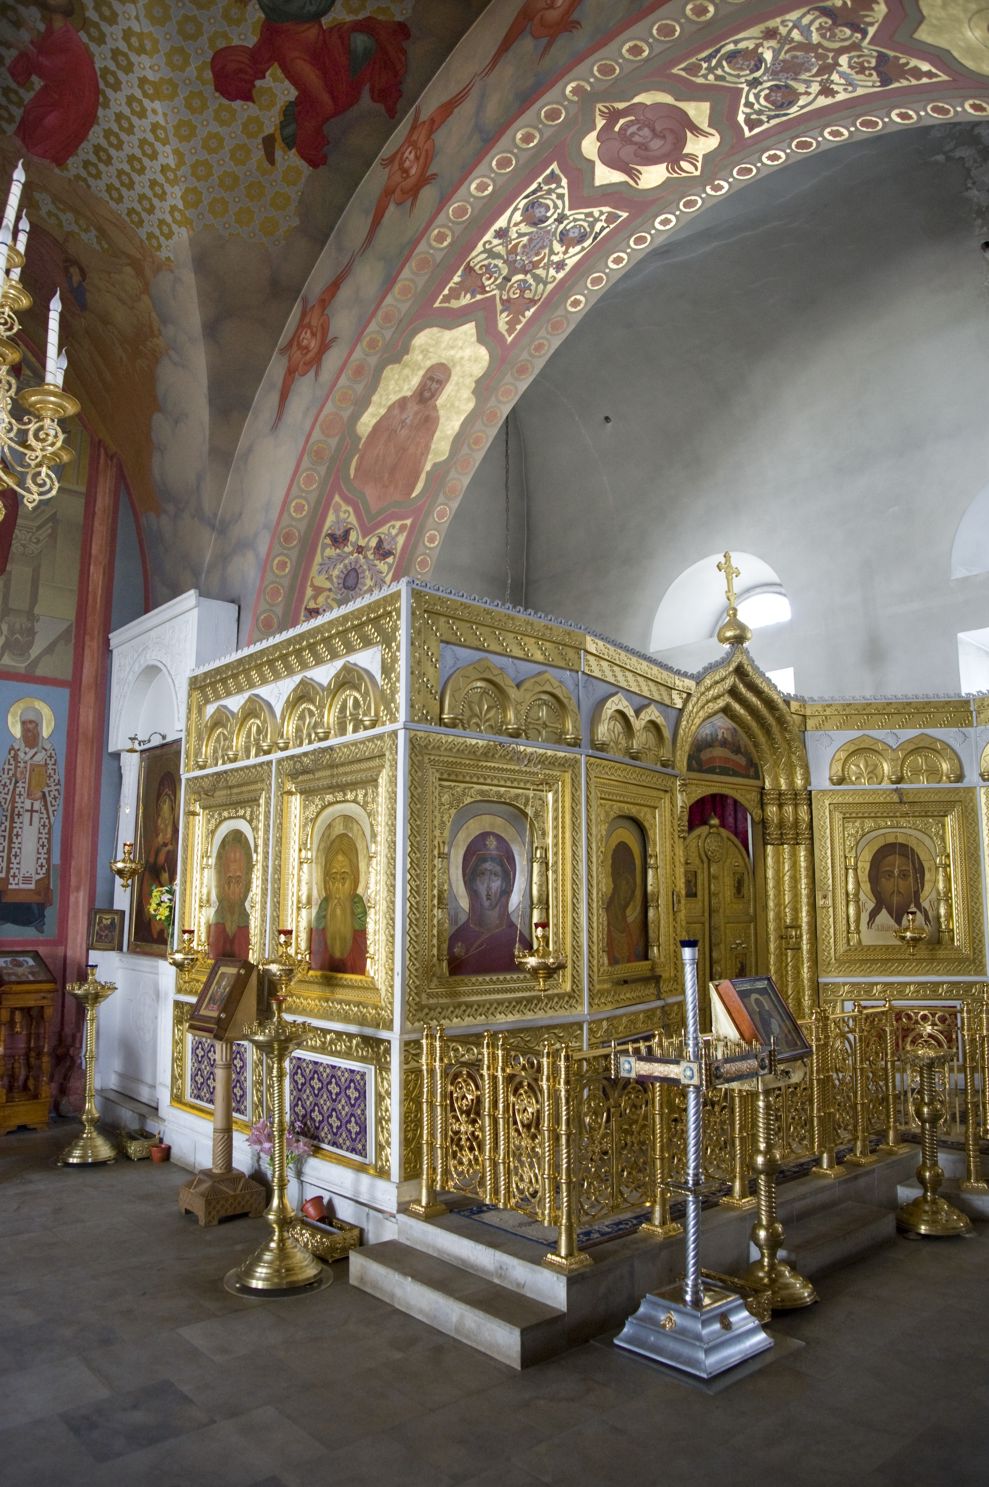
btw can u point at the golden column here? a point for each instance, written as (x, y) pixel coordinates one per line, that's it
(281, 1266)
(92, 1147)
(929, 1215)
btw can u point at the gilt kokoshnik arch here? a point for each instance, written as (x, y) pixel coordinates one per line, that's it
(654, 121)
(738, 690)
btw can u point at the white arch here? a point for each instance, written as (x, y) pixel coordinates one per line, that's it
(970, 549)
(694, 603)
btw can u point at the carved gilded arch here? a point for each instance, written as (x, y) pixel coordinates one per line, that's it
(652, 736)
(480, 698)
(547, 712)
(217, 739)
(302, 714)
(613, 727)
(747, 698)
(924, 760)
(353, 701)
(862, 761)
(255, 728)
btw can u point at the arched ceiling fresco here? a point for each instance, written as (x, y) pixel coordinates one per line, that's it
(314, 251)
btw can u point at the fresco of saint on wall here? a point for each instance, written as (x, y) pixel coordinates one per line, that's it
(489, 897)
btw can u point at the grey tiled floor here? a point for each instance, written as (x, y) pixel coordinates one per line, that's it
(123, 1361)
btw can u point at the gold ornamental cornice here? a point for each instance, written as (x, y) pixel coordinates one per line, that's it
(871, 717)
(902, 991)
(609, 663)
(331, 639)
(438, 620)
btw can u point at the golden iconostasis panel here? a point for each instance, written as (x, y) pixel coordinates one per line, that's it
(882, 854)
(494, 833)
(333, 864)
(630, 830)
(226, 855)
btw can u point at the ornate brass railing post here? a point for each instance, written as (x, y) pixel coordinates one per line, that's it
(741, 1114)
(823, 1094)
(567, 1257)
(929, 1214)
(547, 1191)
(427, 1205)
(891, 1146)
(974, 1181)
(786, 1288)
(504, 1124)
(660, 1224)
(489, 1155)
(861, 1156)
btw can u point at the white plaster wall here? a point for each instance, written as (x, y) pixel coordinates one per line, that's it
(801, 375)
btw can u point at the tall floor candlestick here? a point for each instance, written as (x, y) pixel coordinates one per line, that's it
(92, 1147)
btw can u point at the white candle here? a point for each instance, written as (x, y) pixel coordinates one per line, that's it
(22, 232)
(60, 367)
(4, 245)
(51, 354)
(16, 187)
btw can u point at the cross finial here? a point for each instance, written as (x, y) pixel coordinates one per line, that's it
(731, 573)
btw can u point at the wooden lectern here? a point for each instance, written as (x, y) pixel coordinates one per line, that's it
(226, 1006)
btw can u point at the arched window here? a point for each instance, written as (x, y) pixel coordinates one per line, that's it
(685, 627)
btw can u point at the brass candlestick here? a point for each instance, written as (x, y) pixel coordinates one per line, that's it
(125, 868)
(281, 1266)
(928, 1214)
(786, 1288)
(92, 1147)
(187, 959)
(541, 962)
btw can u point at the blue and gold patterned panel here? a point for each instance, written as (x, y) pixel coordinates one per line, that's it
(202, 1075)
(332, 1103)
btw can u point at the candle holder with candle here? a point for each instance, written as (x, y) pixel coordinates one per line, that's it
(33, 448)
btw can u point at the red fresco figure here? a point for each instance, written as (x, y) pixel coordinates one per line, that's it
(396, 447)
(57, 119)
(311, 339)
(639, 136)
(544, 18)
(407, 167)
(328, 66)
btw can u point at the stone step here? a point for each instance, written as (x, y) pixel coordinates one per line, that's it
(823, 1239)
(499, 1257)
(497, 1321)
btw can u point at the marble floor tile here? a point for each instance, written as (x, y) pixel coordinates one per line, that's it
(126, 1422)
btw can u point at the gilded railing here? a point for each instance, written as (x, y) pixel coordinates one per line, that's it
(555, 1133)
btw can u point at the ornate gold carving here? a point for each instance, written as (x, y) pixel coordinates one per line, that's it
(547, 712)
(255, 730)
(883, 716)
(786, 818)
(921, 760)
(301, 721)
(210, 800)
(984, 764)
(444, 775)
(217, 739)
(481, 699)
(902, 991)
(374, 624)
(360, 774)
(940, 824)
(616, 728)
(615, 790)
(639, 674)
(353, 701)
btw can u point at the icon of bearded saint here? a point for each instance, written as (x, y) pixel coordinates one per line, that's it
(339, 928)
(486, 943)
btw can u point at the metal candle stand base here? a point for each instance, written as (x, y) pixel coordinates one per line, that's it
(703, 1340)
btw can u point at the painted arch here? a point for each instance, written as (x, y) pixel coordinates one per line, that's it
(446, 307)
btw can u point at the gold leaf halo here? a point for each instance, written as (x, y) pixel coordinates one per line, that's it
(17, 708)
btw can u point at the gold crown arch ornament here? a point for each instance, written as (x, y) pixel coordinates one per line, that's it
(31, 448)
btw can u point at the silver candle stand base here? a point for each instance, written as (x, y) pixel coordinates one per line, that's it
(704, 1340)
